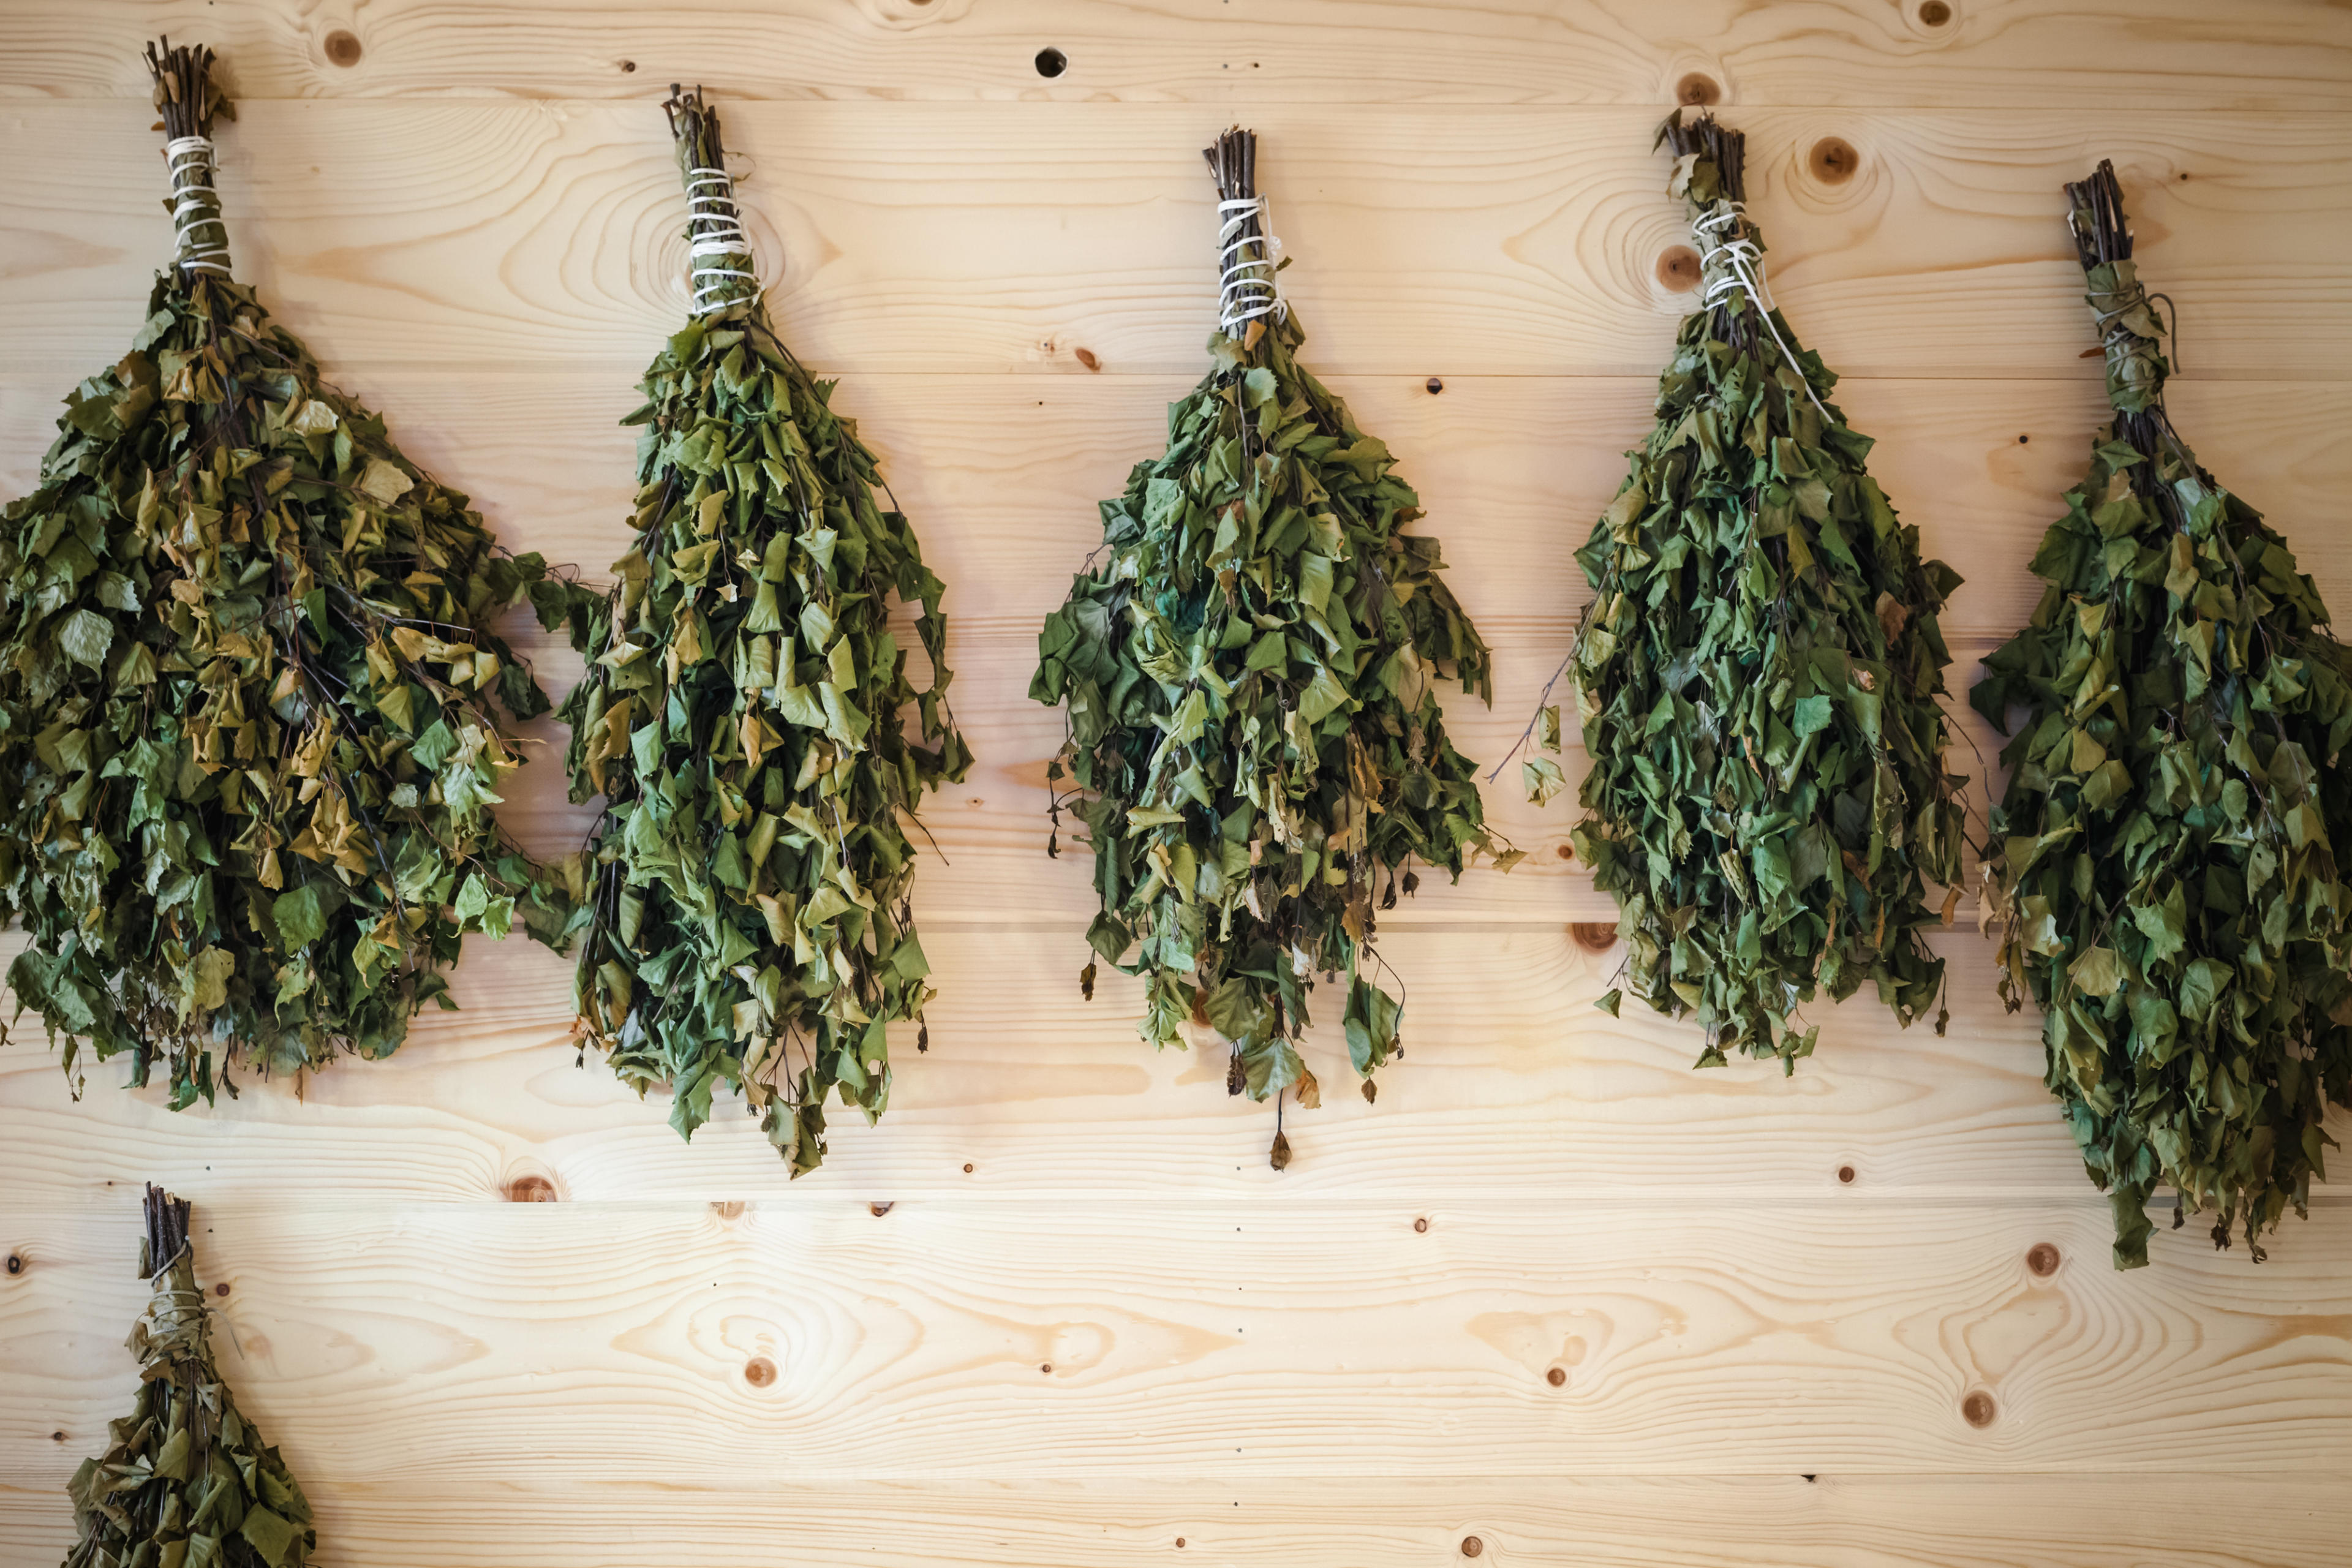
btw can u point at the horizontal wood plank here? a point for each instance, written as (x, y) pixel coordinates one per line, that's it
(1817, 1520)
(708, 1345)
(1513, 1087)
(2265, 55)
(991, 238)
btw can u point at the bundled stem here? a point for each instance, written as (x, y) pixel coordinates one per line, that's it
(743, 719)
(1757, 675)
(1255, 735)
(2165, 857)
(246, 728)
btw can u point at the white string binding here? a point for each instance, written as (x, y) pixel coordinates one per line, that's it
(1242, 296)
(194, 203)
(1743, 273)
(725, 238)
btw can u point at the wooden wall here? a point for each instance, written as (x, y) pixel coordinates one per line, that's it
(1556, 1300)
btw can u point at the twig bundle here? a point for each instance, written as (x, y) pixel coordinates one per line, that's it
(1255, 733)
(184, 1479)
(1758, 675)
(247, 745)
(2166, 858)
(743, 719)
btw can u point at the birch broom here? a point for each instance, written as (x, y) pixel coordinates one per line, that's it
(744, 719)
(247, 742)
(185, 1480)
(1250, 671)
(2168, 858)
(1758, 675)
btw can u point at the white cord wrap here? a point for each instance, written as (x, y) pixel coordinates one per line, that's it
(1733, 265)
(710, 201)
(195, 205)
(1247, 289)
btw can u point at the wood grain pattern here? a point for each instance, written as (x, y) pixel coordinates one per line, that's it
(1805, 1521)
(1146, 1339)
(2263, 55)
(986, 237)
(1057, 1309)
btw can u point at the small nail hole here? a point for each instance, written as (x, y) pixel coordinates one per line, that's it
(343, 49)
(1052, 62)
(1698, 88)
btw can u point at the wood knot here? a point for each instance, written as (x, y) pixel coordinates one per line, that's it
(1978, 1409)
(344, 47)
(628, 66)
(221, 1288)
(57, 1437)
(881, 1208)
(15, 1263)
(1052, 63)
(1594, 936)
(1420, 1225)
(1834, 160)
(1678, 269)
(1934, 13)
(1556, 1376)
(1087, 358)
(1045, 1366)
(2043, 1259)
(532, 1189)
(1179, 1543)
(730, 1208)
(1698, 88)
(1471, 1546)
(759, 1372)
(1845, 1174)
(967, 1167)
(1434, 385)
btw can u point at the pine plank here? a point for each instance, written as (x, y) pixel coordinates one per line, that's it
(1521, 240)
(688, 1345)
(1818, 1521)
(2262, 54)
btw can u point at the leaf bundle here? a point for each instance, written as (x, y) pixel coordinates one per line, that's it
(185, 1480)
(1758, 675)
(742, 718)
(2165, 856)
(248, 746)
(1255, 733)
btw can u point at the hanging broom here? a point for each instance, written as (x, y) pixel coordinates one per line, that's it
(2167, 862)
(743, 719)
(185, 1480)
(1254, 734)
(1758, 677)
(248, 745)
